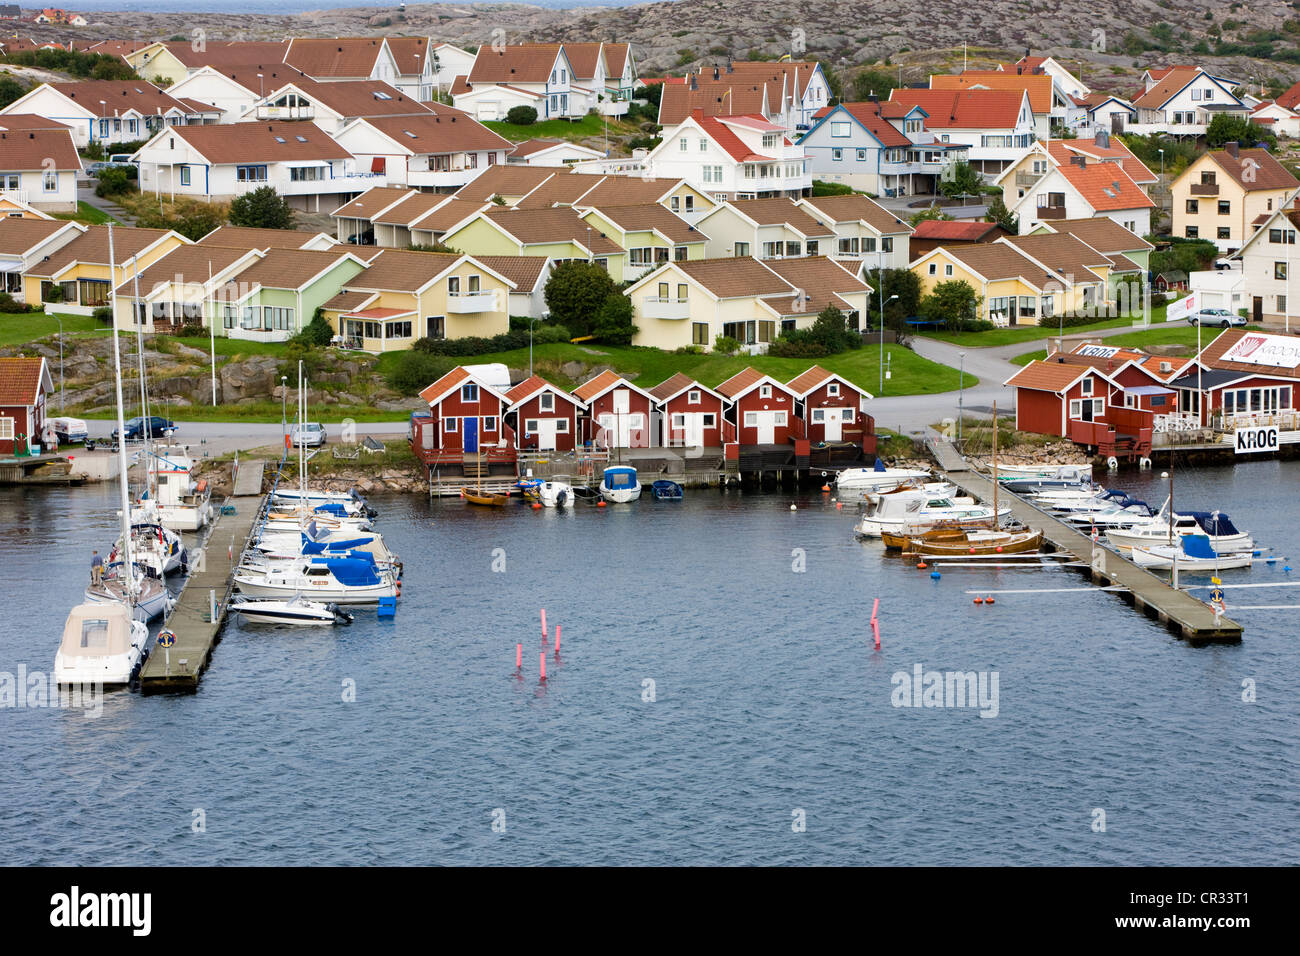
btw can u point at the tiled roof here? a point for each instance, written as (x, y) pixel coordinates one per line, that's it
(444, 216)
(601, 383)
(1170, 81)
(1212, 354)
(227, 56)
(352, 98)
(616, 59)
(817, 276)
(959, 230)
(533, 226)
(671, 386)
(439, 130)
(413, 206)
(855, 207)
(33, 149)
(998, 260)
(1062, 254)
(120, 96)
(400, 270)
(17, 236)
(502, 180)
(584, 58)
(289, 268)
(964, 109)
(626, 190)
(92, 247)
(806, 381)
(251, 238)
(736, 96)
(1102, 233)
(347, 301)
(722, 134)
(798, 303)
(520, 63)
(26, 121)
(444, 384)
(530, 146)
(370, 202)
(410, 54)
(733, 278)
(1254, 169)
(1045, 376)
(869, 115)
(185, 264)
(1105, 186)
(647, 217)
(780, 211)
(245, 142)
(744, 380)
(1291, 98)
(523, 271)
(20, 379)
(1062, 150)
(340, 57)
(1038, 86)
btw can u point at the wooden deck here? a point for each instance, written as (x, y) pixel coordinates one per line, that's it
(196, 630)
(1182, 613)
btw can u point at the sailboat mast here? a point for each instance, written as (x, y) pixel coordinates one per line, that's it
(144, 400)
(128, 569)
(995, 464)
(1170, 516)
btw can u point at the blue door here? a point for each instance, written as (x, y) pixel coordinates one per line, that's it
(471, 435)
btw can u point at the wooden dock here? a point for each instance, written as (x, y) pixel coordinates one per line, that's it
(1178, 610)
(196, 628)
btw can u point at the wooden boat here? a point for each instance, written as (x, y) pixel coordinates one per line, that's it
(895, 541)
(489, 498)
(664, 490)
(978, 542)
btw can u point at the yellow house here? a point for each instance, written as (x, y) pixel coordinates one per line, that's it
(80, 269)
(11, 207)
(556, 233)
(1221, 194)
(648, 233)
(692, 302)
(1021, 280)
(404, 295)
(157, 60)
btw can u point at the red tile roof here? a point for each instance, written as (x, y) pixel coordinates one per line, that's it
(521, 63)
(953, 229)
(1038, 86)
(1046, 376)
(20, 380)
(964, 109)
(869, 115)
(1105, 186)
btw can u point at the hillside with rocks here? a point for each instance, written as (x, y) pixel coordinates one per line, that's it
(1109, 42)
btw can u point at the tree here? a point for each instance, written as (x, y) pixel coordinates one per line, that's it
(192, 218)
(575, 293)
(872, 82)
(263, 208)
(831, 332)
(961, 179)
(999, 213)
(930, 212)
(10, 90)
(900, 282)
(521, 116)
(112, 181)
(1237, 129)
(952, 303)
(317, 332)
(613, 322)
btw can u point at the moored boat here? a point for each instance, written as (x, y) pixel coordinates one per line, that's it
(861, 481)
(1192, 552)
(555, 493)
(977, 542)
(664, 490)
(914, 510)
(102, 644)
(490, 499)
(297, 611)
(620, 484)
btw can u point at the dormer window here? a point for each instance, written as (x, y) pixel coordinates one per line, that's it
(833, 389)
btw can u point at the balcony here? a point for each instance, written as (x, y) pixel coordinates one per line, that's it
(1205, 189)
(343, 183)
(669, 307)
(463, 303)
(436, 178)
(1051, 212)
(286, 112)
(1027, 179)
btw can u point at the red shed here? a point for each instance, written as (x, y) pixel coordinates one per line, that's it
(466, 416)
(545, 416)
(24, 384)
(762, 409)
(618, 413)
(1083, 404)
(831, 407)
(691, 414)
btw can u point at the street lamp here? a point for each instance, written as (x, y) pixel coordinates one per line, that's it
(60, 321)
(284, 408)
(961, 390)
(883, 302)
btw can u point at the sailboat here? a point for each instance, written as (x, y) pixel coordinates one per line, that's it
(183, 503)
(144, 597)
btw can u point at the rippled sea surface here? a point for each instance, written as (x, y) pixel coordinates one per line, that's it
(768, 699)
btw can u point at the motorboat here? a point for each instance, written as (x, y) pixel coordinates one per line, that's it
(555, 494)
(1064, 477)
(1215, 525)
(102, 644)
(315, 540)
(1007, 472)
(664, 490)
(620, 484)
(529, 487)
(353, 578)
(183, 503)
(918, 510)
(147, 595)
(294, 521)
(296, 610)
(938, 489)
(1191, 552)
(314, 497)
(862, 481)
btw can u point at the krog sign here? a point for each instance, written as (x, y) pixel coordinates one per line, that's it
(1255, 439)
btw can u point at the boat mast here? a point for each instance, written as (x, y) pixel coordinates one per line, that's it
(144, 402)
(128, 568)
(995, 465)
(302, 445)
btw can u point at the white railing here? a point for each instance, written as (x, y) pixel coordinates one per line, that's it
(461, 302)
(669, 307)
(259, 335)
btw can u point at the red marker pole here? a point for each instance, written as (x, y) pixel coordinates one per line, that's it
(543, 623)
(542, 660)
(519, 657)
(557, 640)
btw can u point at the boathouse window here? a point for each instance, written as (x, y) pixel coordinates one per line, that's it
(530, 426)
(693, 397)
(1076, 409)
(709, 420)
(490, 423)
(679, 421)
(562, 425)
(847, 414)
(819, 415)
(765, 391)
(469, 392)
(833, 389)
(546, 402)
(6, 428)
(751, 419)
(450, 424)
(1087, 386)
(779, 419)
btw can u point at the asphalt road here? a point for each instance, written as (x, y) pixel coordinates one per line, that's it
(217, 438)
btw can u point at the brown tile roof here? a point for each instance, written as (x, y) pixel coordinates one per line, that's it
(190, 263)
(19, 235)
(20, 380)
(817, 276)
(671, 386)
(565, 188)
(1045, 376)
(616, 59)
(504, 181)
(584, 58)
(448, 381)
(626, 190)
(1263, 170)
(1171, 80)
(806, 303)
(370, 202)
(444, 131)
(958, 230)
(443, 217)
(530, 146)
(120, 96)
(780, 211)
(92, 247)
(1061, 252)
(410, 53)
(964, 109)
(245, 142)
(855, 207)
(399, 270)
(594, 386)
(349, 301)
(999, 260)
(249, 237)
(536, 383)
(228, 55)
(523, 271)
(806, 381)
(533, 226)
(732, 278)
(288, 268)
(1102, 233)
(32, 149)
(339, 57)
(736, 96)
(746, 378)
(353, 98)
(521, 63)
(1038, 86)
(414, 206)
(25, 121)
(646, 217)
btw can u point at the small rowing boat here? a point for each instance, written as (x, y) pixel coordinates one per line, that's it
(978, 542)
(489, 498)
(664, 490)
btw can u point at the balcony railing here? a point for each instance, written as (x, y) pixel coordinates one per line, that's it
(1205, 189)
(286, 112)
(1051, 212)
(1027, 179)
(669, 307)
(463, 302)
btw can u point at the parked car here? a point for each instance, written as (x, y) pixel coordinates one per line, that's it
(121, 159)
(68, 430)
(158, 426)
(311, 434)
(94, 169)
(1220, 317)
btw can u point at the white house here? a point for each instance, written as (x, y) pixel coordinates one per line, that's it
(550, 152)
(1183, 102)
(529, 74)
(787, 93)
(221, 162)
(1276, 117)
(332, 106)
(1267, 278)
(1065, 81)
(733, 157)
(997, 126)
(111, 111)
(766, 229)
(864, 230)
(39, 168)
(1054, 182)
(226, 93)
(441, 149)
(604, 74)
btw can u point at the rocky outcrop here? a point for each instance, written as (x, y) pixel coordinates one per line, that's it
(251, 380)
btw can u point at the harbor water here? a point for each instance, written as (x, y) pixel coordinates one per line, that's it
(716, 700)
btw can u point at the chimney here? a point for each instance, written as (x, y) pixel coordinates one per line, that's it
(873, 98)
(694, 84)
(1231, 149)
(716, 73)
(729, 66)
(1102, 139)
(1080, 161)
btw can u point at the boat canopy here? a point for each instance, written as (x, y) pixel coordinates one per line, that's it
(1214, 523)
(322, 547)
(97, 630)
(620, 476)
(351, 571)
(879, 466)
(1198, 546)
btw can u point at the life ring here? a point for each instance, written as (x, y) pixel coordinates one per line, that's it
(1112, 463)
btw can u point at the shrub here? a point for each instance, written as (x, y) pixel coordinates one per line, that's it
(795, 344)
(1068, 320)
(9, 304)
(521, 116)
(413, 371)
(113, 181)
(263, 208)
(103, 315)
(473, 345)
(547, 334)
(613, 321)
(317, 332)
(726, 345)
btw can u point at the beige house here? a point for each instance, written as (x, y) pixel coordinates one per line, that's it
(1226, 194)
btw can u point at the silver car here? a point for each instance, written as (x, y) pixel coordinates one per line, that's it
(1220, 317)
(311, 434)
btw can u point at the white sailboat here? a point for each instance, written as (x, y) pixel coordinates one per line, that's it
(159, 551)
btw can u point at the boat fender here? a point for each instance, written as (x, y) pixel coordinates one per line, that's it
(1112, 463)
(1144, 462)
(979, 600)
(202, 486)
(989, 599)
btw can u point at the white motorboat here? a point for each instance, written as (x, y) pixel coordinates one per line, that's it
(183, 503)
(353, 579)
(102, 644)
(1064, 477)
(915, 510)
(863, 481)
(1192, 552)
(297, 611)
(555, 494)
(1218, 527)
(936, 489)
(296, 521)
(315, 540)
(352, 502)
(1008, 472)
(620, 484)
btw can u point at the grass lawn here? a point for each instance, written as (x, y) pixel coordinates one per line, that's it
(588, 126)
(1164, 333)
(911, 374)
(87, 213)
(1032, 333)
(21, 327)
(263, 413)
(230, 348)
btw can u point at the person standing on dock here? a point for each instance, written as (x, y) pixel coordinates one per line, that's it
(96, 569)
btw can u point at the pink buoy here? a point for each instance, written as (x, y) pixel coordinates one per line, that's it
(542, 660)
(557, 640)
(875, 631)
(519, 656)
(543, 623)
(874, 608)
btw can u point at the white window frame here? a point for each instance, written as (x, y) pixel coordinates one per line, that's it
(450, 426)
(546, 402)
(693, 396)
(765, 391)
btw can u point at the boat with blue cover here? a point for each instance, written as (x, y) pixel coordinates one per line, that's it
(1193, 552)
(620, 484)
(665, 490)
(352, 577)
